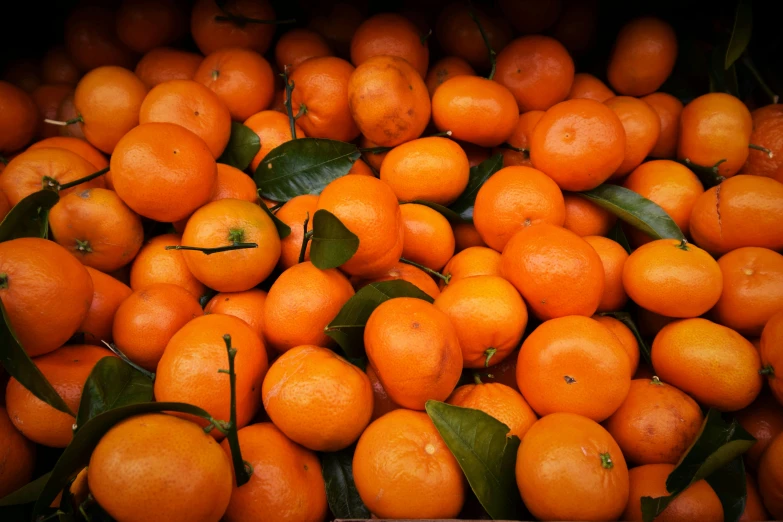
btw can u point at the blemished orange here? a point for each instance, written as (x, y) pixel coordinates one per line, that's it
(613, 257)
(164, 64)
(405, 328)
(66, 369)
(669, 110)
(754, 506)
(458, 34)
(79, 146)
(212, 34)
(576, 365)
(18, 454)
(108, 294)
(466, 236)
(147, 319)
(293, 213)
(475, 110)
(295, 397)
(697, 502)
(413, 275)
(273, 129)
(188, 370)
(742, 211)
(473, 261)
(241, 78)
(47, 98)
(428, 238)
(248, 306)
(376, 91)
(643, 56)
(143, 25)
(578, 143)
(672, 277)
(298, 45)
(302, 301)
(403, 469)
(588, 86)
(763, 419)
(499, 401)
(515, 198)
(570, 468)
(771, 358)
(713, 364)
(771, 477)
(432, 169)
(445, 69)
(531, 16)
(715, 127)
(91, 39)
(286, 484)
(154, 264)
(379, 225)
(642, 129)
(575, 288)
(626, 337)
(390, 34)
(36, 278)
(58, 67)
(160, 453)
(520, 139)
(382, 403)
(767, 132)
(585, 218)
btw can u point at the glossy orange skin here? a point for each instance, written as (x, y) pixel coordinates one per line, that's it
(80, 147)
(428, 238)
(520, 139)
(767, 132)
(613, 257)
(376, 91)
(537, 70)
(20, 118)
(445, 69)
(405, 272)
(763, 419)
(711, 363)
(164, 64)
(297, 492)
(212, 35)
(18, 454)
(578, 143)
(642, 129)
(574, 289)
(770, 352)
(293, 213)
(669, 110)
(531, 16)
(514, 198)
(432, 169)
(643, 57)
(361, 168)
(458, 34)
(754, 507)
(390, 34)
(108, 294)
(382, 404)
(473, 261)
(714, 127)
(587, 86)
(48, 98)
(374, 160)
(143, 25)
(58, 67)
(403, 469)
(670, 279)
(42, 276)
(475, 110)
(91, 40)
(771, 477)
(466, 236)
(248, 306)
(66, 369)
(296, 46)
(499, 401)
(740, 212)
(154, 264)
(233, 183)
(560, 474)
(626, 337)
(273, 129)
(585, 218)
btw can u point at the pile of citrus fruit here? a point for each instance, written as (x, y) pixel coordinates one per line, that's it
(264, 269)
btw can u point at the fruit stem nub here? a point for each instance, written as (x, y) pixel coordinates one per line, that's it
(477, 378)
(767, 370)
(762, 149)
(306, 236)
(683, 245)
(606, 461)
(489, 352)
(3, 281)
(65, 123)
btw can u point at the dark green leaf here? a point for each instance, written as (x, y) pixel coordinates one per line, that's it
(344, 500)
(243, 145)
(485, 454)
(446, 212)
(283, 230)
(19, 366)
(635, 210)
(617, 234)
(478, 175)
(625, 318)
(29, 217)
(112, 384)
(303, 166)
(740, 34)
(347, 328)
(729, 484)
(332, 244)
(27, 494)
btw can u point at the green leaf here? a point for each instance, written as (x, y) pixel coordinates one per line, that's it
(446, 212)
(29, 217)
(112, 384)
(478, 175)
(27, 494)
(740, 34)
(618, 235)
(625, 318)
(19, 366)
(243, 145)
(303, 166)
(333, 244)
(283, 230)
(347, 328)
(485, 454)
(729, 484)
(636, 210)
(344, 499)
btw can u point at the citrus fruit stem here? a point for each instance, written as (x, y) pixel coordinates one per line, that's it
(767, 370)
(444, 134)
(425, 37)
(210, 251)
(445, 278)
(83, 246)
(477, 378)
(240, 466)
(508, 146)
(762, 149)
(606, 461)
(747, 62)
(289, 89)
(65, 123)
(492, 53)
(656, 381)
(305, 238)
(79, 181)
(116, 351)
(375, 150)
(708, 175)
(683, 245)
(3, 281)
(489, 352)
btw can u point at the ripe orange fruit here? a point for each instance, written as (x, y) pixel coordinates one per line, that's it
(770, 353)
(613, 258)
(587, 86)
(293, 213)
(626, 337)
(373, 159)
(296, 46)
(473, 261)
(445, 69)
(382, 403)
(669, 110)
(754, 506)
(763, 419)
(499, 401)
(406, 272)
(18, 454)
(767, 132)
(232, 183)
(5, 206)
(154, 264)
(428, 238)
(403, 469)
(771, 477)
(466, 236)
(585, 218)
(67, 111)
(273, 130)
(58, 67)
(569, 467)
(108, 294)
(458, 34)
(248, 306)
(164, 64)
(520, 139)
(79, 146)
(37, 277)
(301, 302)
(213, 34)
(390, 34)
(643, 56)
(578, 143)
(48, 99)
(642, 129)
(91, 39)
(504, 373)
(143, 25)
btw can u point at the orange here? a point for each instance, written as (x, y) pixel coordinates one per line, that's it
(642, 129)
(763, 419)
(520, 139)
(405, 272)
(403, 469)
(429, 240)
(293, 213)
(66, 369)
(48, 99)
(504, 373)
(578, 143)
(613, 258)
(672, 278)
(537, 70)
(5, 206)
(471, 262)
(301, 302)
(531, 16)
(58, 67)
(445, 69)
(754, 507)
(767, 132)
(771, 477)
(669, 110)
(515, 198)
(369, 209)
(233, 183)
(296, 46)
(626, 337)
(373, 159)
(273, 129)
(165, 454)
(241, 78)
(376, 91)
(360, 168)
(643, 56)
(20, 118)
(42, 284)
(585, 218)
(770, 353)
(108, 294)
(588, 86)
(431, 169)
(711, 363)
(154, 264)
(499, 401)
(80, 147)
(67, 111)
(569, 468)
(382, 404)
(740, 212)
(18, 455)
(336, 22)
(575, 288)
(91, 40)
(188, 371)
(295, 397)
(212, 34)
(458, 34)
(248, 306)
(466, 236)
(143, 25)
(164, 64)
(163, 171)
(286, 484)
(475, 110)
(390, 34)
